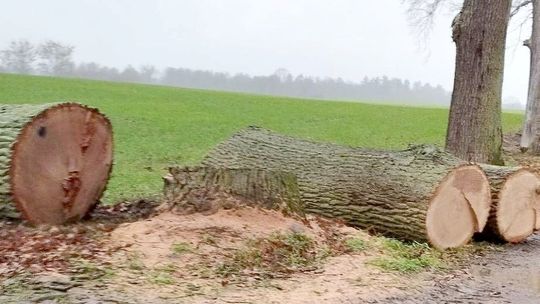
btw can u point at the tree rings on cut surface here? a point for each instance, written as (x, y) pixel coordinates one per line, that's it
(60, 163)
(459, 208)
(515, 205)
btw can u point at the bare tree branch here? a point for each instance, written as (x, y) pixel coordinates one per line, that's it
(518, 5)
(421, 14)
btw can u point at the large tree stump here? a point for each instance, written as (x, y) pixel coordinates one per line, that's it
(513, 215)
(420, 194)
(55, 161)
(189, 187)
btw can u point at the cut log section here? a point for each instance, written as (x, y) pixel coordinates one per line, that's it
(55, 160)
(459, 208)
(516, 202)
(419, 194)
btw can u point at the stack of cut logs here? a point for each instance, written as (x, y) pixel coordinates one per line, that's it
(55, 161)
(419, 194)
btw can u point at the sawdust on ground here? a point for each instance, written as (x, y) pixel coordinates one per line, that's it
(206, 240)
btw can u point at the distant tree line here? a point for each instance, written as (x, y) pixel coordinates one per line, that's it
(56, 59)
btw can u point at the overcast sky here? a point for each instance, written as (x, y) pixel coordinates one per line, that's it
(337, 38)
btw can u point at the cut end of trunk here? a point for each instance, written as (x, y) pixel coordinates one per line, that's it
(459, 208)
(60, 163)
(537, 221)
(517, 207)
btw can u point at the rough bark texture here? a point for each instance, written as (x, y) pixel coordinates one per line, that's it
(55, 161)
(12, 120)
(386, 192)
(268, 189)
(474, 126)
(530, 138)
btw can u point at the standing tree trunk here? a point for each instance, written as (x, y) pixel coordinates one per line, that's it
(530, 138)
(55, 161)
(474, 126)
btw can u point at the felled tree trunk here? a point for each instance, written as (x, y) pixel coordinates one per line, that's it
(55, 161)
(513, 216)
(419, 194)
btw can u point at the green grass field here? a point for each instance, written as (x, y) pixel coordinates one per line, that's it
(159, 126)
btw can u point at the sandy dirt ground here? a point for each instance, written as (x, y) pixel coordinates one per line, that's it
(170, 258)
(341, 279)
